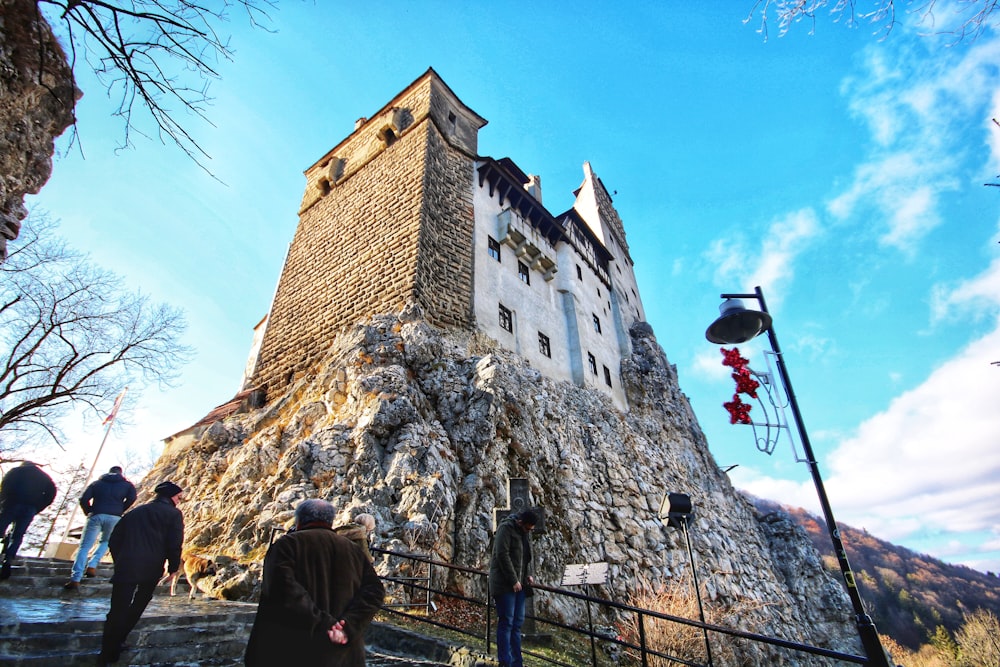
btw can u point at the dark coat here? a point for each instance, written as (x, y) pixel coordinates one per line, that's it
(312, 579)
(111, 494)
(511, 558)
(144, 539)
(27, 485)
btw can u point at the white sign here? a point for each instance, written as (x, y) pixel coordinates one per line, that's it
(588, 573)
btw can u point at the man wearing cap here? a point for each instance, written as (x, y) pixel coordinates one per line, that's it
(103, 503)
(510, 583)
(24, 492)
(143, 540)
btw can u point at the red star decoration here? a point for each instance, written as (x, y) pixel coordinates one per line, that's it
(745, 384)
(732, 358)
(739, 412)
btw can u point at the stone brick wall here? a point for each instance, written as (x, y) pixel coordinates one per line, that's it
(386, 220)
(444, 285)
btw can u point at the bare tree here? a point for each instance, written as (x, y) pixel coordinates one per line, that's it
(154, 55)
(71, 336)
(979, 639)
(973, 15)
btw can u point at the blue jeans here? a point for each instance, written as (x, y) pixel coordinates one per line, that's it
(96, 523)
(20, 515)
(510, 617)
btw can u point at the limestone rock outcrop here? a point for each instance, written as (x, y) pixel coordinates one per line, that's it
(422, 428)
(37, 98)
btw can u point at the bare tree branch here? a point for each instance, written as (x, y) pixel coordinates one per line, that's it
(975, 15)
(71, 335)
(157, 56)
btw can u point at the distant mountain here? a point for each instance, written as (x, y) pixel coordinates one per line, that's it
(910, 594)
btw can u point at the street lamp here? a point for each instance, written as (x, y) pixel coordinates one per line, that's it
(676, 509)
(737, 324)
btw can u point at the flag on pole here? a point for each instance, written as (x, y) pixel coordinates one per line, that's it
(114, 410)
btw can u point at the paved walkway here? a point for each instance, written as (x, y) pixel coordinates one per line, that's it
(52, 610)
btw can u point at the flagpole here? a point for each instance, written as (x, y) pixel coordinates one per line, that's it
(108, 421)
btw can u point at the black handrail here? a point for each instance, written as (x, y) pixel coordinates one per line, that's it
(642, 649)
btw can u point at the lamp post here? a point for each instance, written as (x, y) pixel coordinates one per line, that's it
(736, 324)
(676, 509)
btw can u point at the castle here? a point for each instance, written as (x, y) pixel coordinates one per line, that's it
(405, 211)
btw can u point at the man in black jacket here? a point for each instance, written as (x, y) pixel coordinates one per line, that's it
(103, 503)
(143, 540)
(24, 492)
(510, 582)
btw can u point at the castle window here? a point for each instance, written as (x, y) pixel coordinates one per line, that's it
(494, 248)
(579, 273)
(592, 362)
(607, 376)
(452, 119)
(522, 273)
(543, 345)
(597, 325)
(506, 319)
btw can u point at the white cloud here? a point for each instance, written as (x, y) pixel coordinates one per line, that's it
(773, 264)
(972, 298)
(914, 108)
(786, 491)
(931, 458)
(993, 134)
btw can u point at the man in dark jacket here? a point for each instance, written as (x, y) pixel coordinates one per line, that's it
(318, 594)
(103, 503)
(143, 540)
(510, 582)
(24, 492)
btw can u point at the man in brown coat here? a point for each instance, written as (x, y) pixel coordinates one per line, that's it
(318, 594)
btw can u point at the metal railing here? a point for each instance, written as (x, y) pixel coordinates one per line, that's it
(617, 649)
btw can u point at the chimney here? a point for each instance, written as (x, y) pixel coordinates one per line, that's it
(534, 187)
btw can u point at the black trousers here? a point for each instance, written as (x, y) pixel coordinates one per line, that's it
(128, 601)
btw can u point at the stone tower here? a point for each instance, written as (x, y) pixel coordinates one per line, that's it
(386, 220)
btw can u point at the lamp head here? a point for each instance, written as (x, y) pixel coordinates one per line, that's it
(736, 324)
(675, 508)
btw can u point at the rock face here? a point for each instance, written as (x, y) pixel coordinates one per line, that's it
(37, 98)
(422, 428)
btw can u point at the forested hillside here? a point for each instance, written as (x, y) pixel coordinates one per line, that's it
(911, 594)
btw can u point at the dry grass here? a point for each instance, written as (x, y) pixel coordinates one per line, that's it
(682, 641)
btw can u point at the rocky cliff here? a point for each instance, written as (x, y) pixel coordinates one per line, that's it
(422, 428)
(37, 97)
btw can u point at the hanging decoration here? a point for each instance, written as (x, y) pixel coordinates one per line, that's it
(748, 381)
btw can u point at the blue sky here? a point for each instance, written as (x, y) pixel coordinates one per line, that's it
(840, 172)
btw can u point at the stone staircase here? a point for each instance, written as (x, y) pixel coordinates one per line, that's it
(43, 625)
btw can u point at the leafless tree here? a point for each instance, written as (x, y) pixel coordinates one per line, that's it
(979, 639)
(973, 15)
(152, 55)
(71, 336)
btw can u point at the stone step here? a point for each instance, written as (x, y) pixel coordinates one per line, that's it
(212, 637)
(42, 625)
(41, 577)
